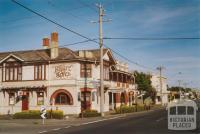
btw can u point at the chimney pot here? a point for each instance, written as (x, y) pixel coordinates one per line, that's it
(46, 43)
(54, 45)
(54, 37)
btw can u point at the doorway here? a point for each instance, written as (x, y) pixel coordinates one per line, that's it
(85, 100)
(25, 101)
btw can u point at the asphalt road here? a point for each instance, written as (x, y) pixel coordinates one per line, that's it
(154, 122)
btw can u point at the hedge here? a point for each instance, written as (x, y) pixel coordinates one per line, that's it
(90, 113)
(128, 109)
(35, 114)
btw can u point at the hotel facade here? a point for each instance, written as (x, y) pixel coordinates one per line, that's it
(62, 79)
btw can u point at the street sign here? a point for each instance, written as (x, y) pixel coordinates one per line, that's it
(43, 113)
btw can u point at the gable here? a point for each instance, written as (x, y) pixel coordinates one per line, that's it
(10, 58)
(109, 57)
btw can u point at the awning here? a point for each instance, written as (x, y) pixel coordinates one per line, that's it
(23, 85)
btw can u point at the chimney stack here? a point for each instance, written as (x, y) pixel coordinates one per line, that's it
(46, 44)
(54, 45)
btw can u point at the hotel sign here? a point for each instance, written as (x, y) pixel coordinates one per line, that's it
(63, 71)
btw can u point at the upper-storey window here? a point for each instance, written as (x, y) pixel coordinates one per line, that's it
(40, 72)
(106, 71)
(13, 71)
(86, 70)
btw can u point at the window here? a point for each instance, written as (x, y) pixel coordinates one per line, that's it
(11, 98)
(190, 110)
(172, 110)
(39, 72)
(40, 98)
(106, 72)
(181, 110)
(13, 71)
(86, 70)
(62, 99)
(93, 96)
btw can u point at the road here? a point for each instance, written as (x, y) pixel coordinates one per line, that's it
(154, 122)
(148, 122)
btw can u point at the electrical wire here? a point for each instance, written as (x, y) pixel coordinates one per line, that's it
(152, 38)
(72, 31)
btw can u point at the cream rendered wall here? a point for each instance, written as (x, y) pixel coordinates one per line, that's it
(6, 108)
(95, 72)
(68, 83)
(28, 73)
(67, 109)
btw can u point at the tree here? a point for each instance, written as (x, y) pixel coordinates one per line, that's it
(144, 84)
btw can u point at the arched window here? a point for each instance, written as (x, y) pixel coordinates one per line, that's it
(62, 99)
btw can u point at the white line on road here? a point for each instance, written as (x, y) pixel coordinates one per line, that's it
(56, 129)
(101, 120)
(160, 119)
(42, 132)
(67, 126)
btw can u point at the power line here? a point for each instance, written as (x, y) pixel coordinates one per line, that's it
(152, 38)
(72, 31)
(54, 22)
(75, 16)
(76, 43)
(87, 5)
(135, 63)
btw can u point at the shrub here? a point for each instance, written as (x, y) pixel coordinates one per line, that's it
(125, 109)
(56, 114)
(140, 108)
(129, 109)
(35, 114)
(32, 114)
(90, 113)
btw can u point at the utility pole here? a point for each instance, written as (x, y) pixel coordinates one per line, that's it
(101, 14)
(160, 76)
(179, 84)
(101, 60)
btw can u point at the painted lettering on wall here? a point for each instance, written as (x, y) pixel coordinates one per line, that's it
(63, 71)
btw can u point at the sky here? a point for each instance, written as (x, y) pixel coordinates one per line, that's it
(23, 30)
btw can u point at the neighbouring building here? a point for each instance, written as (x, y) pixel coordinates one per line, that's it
(161, 95)
(60, 78)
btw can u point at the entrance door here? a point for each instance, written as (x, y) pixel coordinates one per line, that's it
(85, 100)
(25, 102)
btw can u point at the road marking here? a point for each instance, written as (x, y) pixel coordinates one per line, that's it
(56, 129)
(76, 125)
(160, 119)
(42, 132)
(67, 126)
(101, 120)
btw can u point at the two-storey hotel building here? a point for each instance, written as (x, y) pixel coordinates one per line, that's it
(60, 78)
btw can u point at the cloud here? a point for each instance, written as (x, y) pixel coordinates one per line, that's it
(185, 66)
(158, 16)
(182, 59)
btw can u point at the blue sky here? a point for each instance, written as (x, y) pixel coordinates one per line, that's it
(22, 30)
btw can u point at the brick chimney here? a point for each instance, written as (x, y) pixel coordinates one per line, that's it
(46, 44)
(54, 45)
